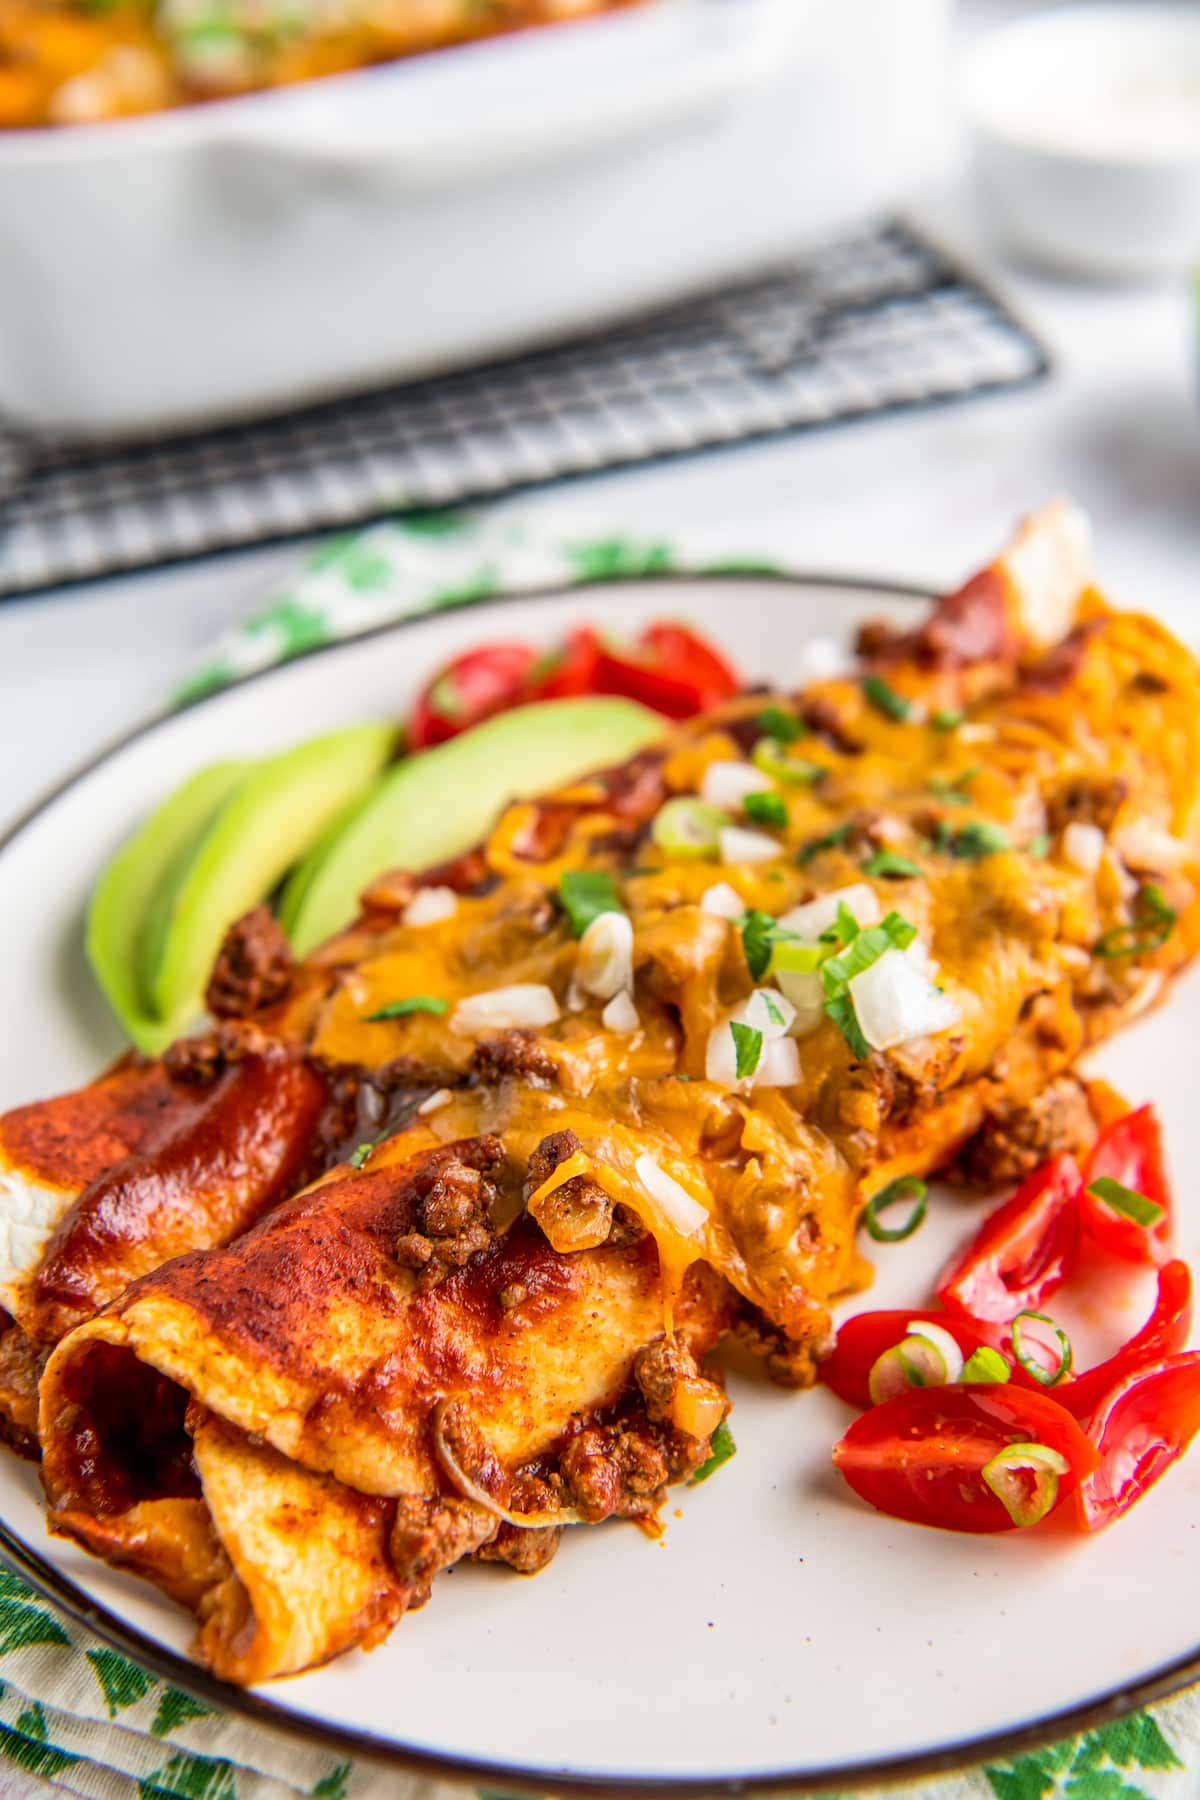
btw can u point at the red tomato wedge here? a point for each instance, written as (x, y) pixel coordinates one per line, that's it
(862, 1340)
(569, 672)
(685, 653)
(473, 687)
(1023, 1251)
(670, 669)
(1165, 1332)
(1138, 1431)
(921, 1456)
(1130, 1151)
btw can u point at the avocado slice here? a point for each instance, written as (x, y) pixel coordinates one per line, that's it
(268, 820)
(125, 895)
(436, 805)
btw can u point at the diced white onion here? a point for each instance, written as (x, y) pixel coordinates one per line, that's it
(605, 963)
(779, 1065)
(940, 1338)
(723, 901)
(1083, 845)
(1148, 846)
(822, 659)
(757, 1011)
(430, 905)
(815, 916)
(895, 1002)
(525, 1003)
(726, 784)
(976, 731)
(806, 992)
(434, 1102)
(621, 1014)
(679, 1208)
(741, 846)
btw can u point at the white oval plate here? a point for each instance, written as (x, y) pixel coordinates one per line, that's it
(780, 1633)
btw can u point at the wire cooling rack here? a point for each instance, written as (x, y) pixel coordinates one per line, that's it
(874, 323)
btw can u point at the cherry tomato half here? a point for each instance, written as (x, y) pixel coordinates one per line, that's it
(1138, 1431)
(1130, 1151)
(475, 686)
(921, 1456)
(862, 1340)
(1023, 1251)
(1165, 1332)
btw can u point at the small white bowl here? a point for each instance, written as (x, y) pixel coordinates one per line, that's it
(1086, 129)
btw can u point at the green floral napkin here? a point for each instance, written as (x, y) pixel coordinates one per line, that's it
(80, 1715)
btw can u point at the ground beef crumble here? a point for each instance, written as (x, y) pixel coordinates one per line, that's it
(253, 969)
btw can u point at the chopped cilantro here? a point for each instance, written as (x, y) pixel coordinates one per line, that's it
(885, 699)
(946, 718)
(889, 864)
(784, 727)
(766, 809)
(720, 1448)
(832, 840)
(415, 1003)
(585, 894)
(747, 1044)
(758, 934)
(979, 838)
(954, 792)
(837, 972)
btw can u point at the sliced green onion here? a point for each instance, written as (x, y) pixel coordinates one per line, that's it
(889, 864)
(415, 1003)
(794, 958)
(979, 838)
(720, 1448)
(1039, 847)
(943, 1341)
(985, 1365)
(770, 755)
(885, 699)
(1126, 1201)
(832, 840)
(776, 722)
(1045, 1377)
(359, 1155)
(688, 827)
(907, 1187)
(765, 809)
(747, 1049)
(1153, 924)
(946, 718)
(915, 1362)
(1024, 1478)
(585, 894)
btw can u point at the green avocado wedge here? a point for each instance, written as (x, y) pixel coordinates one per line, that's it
(127, 894)
(434, 806)
(270, 820)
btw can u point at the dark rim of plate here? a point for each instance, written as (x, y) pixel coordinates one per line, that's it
(169, 1666)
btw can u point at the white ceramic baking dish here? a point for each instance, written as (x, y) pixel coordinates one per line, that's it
(259, 253)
